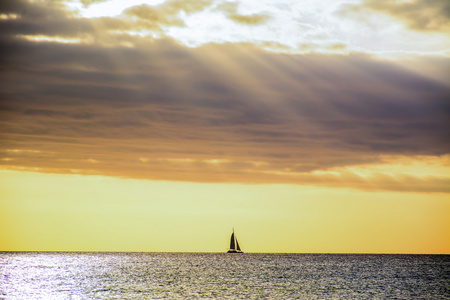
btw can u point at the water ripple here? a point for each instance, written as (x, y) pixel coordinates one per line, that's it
(206, 276)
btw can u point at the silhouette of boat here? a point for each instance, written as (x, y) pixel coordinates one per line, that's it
(234, 245)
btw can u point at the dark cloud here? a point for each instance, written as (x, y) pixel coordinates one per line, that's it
(222, 113)
(41, 18)
(52, 18)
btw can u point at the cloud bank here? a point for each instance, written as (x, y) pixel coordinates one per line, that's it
(131, 106)
(428, 15)
(289, 26)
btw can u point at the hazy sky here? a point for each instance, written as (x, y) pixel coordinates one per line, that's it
(308, 126)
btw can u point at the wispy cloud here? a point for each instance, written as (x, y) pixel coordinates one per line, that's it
(230, 9)
(427, 15)
(289, 26)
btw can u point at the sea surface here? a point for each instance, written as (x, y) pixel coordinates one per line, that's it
(58, 275)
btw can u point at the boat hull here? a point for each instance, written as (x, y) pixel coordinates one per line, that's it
(234, 251)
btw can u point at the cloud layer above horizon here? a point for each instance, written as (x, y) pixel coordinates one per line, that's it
(288, 26)
(123, 96)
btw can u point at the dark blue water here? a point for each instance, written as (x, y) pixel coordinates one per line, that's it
(233, 276)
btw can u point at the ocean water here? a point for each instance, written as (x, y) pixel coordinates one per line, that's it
(32, 275)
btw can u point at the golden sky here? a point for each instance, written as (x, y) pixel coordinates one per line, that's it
(308, 126)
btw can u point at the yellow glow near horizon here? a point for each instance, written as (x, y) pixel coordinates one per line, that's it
(53, 39)
(397, 166)
(95, 213)
(8, 16)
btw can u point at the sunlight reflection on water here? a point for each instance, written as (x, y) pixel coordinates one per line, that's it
(244, 276)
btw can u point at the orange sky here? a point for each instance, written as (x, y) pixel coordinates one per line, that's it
(167, 123)
(95, 213)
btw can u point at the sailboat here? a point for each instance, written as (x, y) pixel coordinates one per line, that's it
(234, 245)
